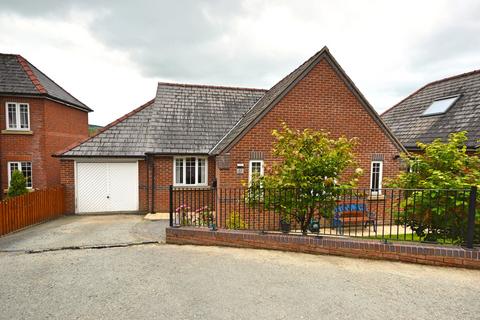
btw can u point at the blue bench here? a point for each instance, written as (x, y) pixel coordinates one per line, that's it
(353, 213)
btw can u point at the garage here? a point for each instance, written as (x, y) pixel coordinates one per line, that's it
(106, 187)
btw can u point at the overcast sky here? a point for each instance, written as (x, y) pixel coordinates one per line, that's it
(110, 54)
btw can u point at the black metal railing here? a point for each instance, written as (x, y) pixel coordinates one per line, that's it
(448, 216)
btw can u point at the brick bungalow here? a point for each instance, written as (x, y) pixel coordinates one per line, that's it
(198, 136)
(38, 118)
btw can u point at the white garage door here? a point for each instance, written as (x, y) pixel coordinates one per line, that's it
(107, 187)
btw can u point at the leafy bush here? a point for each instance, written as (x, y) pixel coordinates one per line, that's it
(438, 213)
(18, 184)
(312, 171)
(234, 221)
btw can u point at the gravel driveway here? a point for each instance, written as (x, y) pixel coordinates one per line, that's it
(186, 282)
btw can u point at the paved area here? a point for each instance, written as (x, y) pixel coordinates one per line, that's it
(89, 230)
(118, 267)
(186, 282)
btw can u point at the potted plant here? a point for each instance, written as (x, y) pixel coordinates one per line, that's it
(285, 223)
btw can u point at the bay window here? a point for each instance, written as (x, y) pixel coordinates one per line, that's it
(190, 171)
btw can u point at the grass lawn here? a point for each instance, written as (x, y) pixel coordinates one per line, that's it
(412, 237)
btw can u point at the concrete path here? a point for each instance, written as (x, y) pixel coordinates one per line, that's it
(85, 231)
(185, 282)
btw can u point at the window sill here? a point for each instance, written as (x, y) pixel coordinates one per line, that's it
(192, 187)
(375, 197)
(29, 189)
(26, 132)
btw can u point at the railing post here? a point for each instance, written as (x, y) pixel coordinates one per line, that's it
(471, 217)
(170, 190)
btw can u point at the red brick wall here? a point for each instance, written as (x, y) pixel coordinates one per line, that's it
(64, 126)
(24, 147)
(53, 126)
(164, 178)
(67, 179)
(366, 249)
(320, 101)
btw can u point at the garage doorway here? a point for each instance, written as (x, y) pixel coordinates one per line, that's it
(106, 187)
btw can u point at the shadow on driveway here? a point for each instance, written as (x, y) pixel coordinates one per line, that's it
(86, 231)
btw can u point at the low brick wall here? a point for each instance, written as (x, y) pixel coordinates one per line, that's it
(348, 247)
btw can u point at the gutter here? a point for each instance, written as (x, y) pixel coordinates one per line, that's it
(46, 96)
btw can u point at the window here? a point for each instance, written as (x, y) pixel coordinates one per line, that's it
(190, 171)
(440, 106)
(18, 116)
(255, 168)
(24, 167)
(376, 172)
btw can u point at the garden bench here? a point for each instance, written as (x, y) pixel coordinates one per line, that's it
(352, 214)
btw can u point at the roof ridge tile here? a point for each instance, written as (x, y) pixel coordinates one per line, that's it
(192, 85)
(24, 64)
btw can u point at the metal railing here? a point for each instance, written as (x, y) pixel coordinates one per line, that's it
(420, 215)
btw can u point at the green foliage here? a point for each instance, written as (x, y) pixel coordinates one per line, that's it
(18, 184)
(234, 221)
(312, 171)
(436, 214)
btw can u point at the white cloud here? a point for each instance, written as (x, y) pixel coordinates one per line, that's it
(110, 54)
(105, 79)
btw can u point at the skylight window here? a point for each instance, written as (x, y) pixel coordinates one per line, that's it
(440, 106)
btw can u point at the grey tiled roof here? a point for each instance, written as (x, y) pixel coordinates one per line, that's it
(182, 119)
(407, 123)
(15, 80)
(196, 119)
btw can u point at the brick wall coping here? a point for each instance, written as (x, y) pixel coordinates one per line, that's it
(452, 256)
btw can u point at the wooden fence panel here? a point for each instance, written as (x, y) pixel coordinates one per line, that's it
(34, 207)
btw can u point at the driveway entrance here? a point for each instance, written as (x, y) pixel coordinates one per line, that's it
(86, 231)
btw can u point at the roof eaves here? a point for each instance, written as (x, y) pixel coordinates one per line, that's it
(44, 96)
(108, 126)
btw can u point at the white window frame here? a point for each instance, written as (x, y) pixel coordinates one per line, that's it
(380, 177)
(204, 184)
(250, 163)
(17, 115)
(19, 164)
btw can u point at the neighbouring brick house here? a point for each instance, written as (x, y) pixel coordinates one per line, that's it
(438, 109)
(198, 136)
(38, 119)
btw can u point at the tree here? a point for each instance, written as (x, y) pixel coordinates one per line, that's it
(445, 169)
(18, 184)
(311, 171)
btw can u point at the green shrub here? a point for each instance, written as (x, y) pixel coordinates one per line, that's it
(443, 167)
(234, 221)
(314, 168)
(18, 184)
